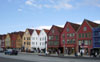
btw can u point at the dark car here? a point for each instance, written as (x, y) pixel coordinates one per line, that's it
(11, 52)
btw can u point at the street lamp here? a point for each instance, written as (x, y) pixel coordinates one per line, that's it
(45, 47)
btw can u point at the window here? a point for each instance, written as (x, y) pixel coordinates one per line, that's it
(63, 41)
(73, 41)
(68, 35)
(67, 41)
(56, 43)
(67, 29)
(50, 37)
(63, 35)
(57, 37)
(24, 38)
(89, 42)
(52, 31)
(83, 35)
(86, 35)
(36, 43)
(73, 34)
(80, 42)
(79, 35)
(86, 42)
(85, 28)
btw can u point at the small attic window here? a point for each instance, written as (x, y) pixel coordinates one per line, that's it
(67, 29)
(52, 31)
(85, 28)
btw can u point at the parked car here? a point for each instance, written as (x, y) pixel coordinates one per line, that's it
(1, 49)
(11, 52)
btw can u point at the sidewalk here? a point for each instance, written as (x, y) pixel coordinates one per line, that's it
(70, 56)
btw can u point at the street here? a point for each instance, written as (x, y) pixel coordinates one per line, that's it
(26, 57)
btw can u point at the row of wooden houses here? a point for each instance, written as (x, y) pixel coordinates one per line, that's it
(70, 39)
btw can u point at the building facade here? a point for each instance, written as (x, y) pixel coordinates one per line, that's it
(53, 42)
(69, 37)
(8, 41)
(85, 37)
(43, 40)
(19, 40)
(35, 41)
(3, 42)
(96, 39)
(26, 40)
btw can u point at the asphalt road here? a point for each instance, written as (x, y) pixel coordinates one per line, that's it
(24, 57)
(12, 60)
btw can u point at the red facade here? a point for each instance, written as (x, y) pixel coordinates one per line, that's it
(85, 39)
(54, 37)
(69, 37)
(3, 41)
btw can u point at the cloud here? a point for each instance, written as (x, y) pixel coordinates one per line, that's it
(47, 27)
(28, 2)
(19, 9)
(56, 4)
(97, 21)
(95, 3)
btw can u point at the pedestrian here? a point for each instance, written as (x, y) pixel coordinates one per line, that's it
(81, 53)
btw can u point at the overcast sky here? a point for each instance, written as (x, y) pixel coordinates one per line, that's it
(17, 15)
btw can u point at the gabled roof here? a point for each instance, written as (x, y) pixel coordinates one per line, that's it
(3, 36)
(46, 30)
(30, 31)
(60, 29)
(38, 32)
(92, 24)
(75, 26)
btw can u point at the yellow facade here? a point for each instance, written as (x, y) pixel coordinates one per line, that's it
(18, 42)
(8, 41)
(26, 40)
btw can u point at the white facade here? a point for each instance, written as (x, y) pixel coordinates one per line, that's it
(43, 40)
(38, 41)
(34, 40)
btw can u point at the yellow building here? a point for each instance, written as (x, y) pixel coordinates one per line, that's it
(26, 40)
(8, 41)
(19, 40)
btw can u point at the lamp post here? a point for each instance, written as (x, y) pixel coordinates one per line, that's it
(46, 47)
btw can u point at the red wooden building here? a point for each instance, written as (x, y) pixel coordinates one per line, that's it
(3, 42)
(69, 37)
(53, 42)
(85, 37)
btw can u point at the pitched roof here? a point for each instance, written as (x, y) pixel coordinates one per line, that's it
(30, 31)
(46, 30)
(75, 26)
(92, 24)
(3, 36)
(60, 29)
(38, 32)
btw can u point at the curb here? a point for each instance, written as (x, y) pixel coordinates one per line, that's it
(73, 57)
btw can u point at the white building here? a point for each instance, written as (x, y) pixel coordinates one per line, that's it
(35, 41)
(38, 40)
(43, 40)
